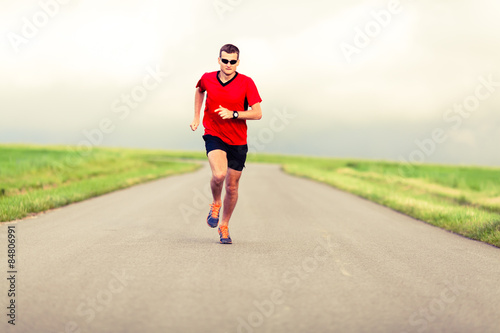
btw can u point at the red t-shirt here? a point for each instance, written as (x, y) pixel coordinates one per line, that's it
(236, 95)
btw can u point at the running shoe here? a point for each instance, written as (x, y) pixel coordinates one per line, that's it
(224, 235)
(213, 215)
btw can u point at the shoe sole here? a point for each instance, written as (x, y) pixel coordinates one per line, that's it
(208, 217)
(213, 226)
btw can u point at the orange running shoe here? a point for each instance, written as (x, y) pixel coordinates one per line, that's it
(224, 235)
(213, 215)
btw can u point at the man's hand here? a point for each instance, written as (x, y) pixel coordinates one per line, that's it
(224, 113)
(194, 125)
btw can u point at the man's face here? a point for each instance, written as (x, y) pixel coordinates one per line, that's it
(228, 69)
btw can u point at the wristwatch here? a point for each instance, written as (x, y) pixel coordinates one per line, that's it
(235, 114)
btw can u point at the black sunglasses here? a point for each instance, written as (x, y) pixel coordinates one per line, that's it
(225, 61)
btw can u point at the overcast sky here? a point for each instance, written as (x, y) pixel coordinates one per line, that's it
(412, 80)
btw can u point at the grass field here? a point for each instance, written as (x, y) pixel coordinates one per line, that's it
(464, 200)
(34, 179)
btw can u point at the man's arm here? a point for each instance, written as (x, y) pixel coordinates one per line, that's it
(254, 114)
(199, 97)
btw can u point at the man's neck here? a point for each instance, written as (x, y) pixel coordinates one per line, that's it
(224, 78)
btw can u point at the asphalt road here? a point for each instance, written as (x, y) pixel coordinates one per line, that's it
(305, 258)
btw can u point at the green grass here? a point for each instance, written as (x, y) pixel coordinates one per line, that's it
(464, 200)
(34, 179)
(461, 199)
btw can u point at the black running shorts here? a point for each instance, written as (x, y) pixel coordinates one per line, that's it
(236, 155)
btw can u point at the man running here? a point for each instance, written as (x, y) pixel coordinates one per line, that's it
(224, 120)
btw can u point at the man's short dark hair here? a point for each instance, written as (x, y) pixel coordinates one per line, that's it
(230, 48)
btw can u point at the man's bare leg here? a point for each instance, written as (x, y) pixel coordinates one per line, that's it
(218, 163)
(232, 183)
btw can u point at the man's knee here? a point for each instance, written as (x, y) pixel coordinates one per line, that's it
(218, 177)
(232, 189)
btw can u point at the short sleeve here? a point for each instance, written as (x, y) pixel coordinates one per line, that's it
(252, 94)
(201, 84)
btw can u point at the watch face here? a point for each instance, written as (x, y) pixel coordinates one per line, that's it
(235, 114)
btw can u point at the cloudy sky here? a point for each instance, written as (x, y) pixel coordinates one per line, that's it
(412, 80)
